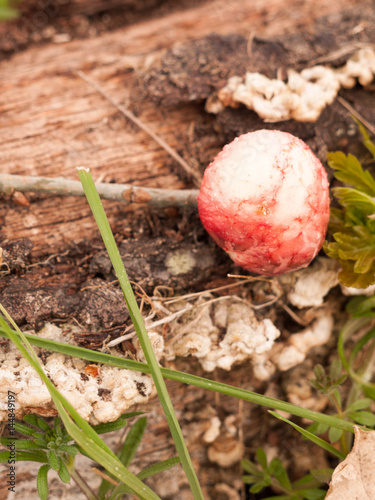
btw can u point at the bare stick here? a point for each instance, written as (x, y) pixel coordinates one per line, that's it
(158, 198)
(355, 113)
(128, 114)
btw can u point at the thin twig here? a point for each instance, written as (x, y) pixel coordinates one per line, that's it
(155, 197)
(355, 113)
(128, 114)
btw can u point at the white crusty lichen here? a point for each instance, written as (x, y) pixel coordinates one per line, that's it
(309, 286)
(98, 399)
(227, 333)
(219, 332)
(302, 97)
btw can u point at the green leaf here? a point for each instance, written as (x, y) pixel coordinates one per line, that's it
(28, 456)
(334, 434)
(361, 306)
(363, 417)
(349, 277)
(31, 419)
(359, 247)
(250, 479)
(121, 489)
(322, 475)
(40, 436)
(69, 449)
(42, 424)
(335, 369)
(42, 482)
(322, 428)
(262, 459)
(257, 487)
(319, 372)
(313, 494)
(53, 460)
(349, 170)
(360, 404)
(183, 377)
(132, 441)
(42, 443)
(277, 470)
(159, 467)
(23, 429)
(250, 467)
(59, 429)
(63, 472)
(131, 414)
(110, 426)
(369, 391)
(284, 497)
(353, 228)
(20, 444)
(352, 197)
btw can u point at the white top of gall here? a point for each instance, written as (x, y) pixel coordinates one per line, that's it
(264, 199)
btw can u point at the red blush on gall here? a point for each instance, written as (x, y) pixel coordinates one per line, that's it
(265, 200)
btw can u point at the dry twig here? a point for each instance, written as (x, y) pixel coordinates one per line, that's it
(155, 197)
(128, 114)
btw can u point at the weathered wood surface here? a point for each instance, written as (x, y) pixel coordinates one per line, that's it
(52, 121)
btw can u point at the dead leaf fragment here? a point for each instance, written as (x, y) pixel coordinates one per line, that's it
(353, 479)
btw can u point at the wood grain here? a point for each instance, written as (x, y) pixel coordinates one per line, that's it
(51, 121)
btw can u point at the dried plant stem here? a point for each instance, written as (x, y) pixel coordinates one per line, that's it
(158, 198)
(357, 115)
(131, 116)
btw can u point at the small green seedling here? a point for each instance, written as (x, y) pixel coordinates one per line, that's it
(54, 448)
(273, 474)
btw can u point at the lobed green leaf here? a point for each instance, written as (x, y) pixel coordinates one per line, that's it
(348, 169)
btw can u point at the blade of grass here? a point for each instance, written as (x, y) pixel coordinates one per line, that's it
(136, 317)
(346, 333)
(311, 437)
(84, 436)
(186, 378)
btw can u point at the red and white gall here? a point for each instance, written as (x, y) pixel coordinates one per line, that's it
(265, 200)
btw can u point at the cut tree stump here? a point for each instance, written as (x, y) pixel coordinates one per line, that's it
(51, 121)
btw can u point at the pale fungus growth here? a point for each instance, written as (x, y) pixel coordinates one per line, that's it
(244, 335)
(302, 97)
(311, 285)
(97, 399)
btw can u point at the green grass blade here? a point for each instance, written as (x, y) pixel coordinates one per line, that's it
(186, 378)
(136, 316)
(311, 437)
